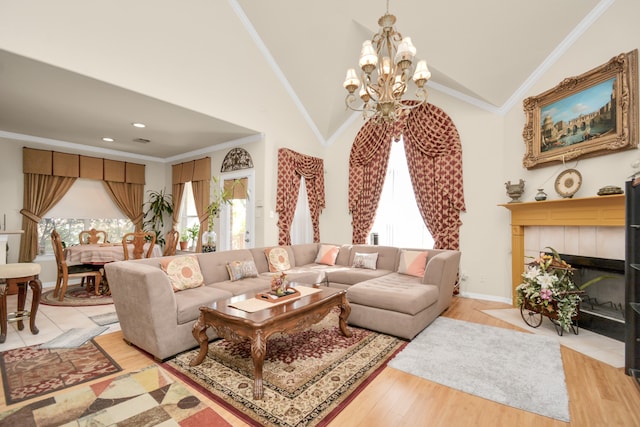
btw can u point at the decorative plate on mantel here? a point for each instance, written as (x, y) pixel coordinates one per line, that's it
(568, 182)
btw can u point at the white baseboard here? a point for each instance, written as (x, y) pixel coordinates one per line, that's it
(485, 297)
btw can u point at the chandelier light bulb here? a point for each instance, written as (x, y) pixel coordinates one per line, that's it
(422, 73)
(368, 57)
(351, 82)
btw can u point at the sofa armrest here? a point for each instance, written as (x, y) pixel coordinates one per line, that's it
(442, 271)
(144, 300)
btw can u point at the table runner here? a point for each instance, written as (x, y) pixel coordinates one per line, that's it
(252, 305)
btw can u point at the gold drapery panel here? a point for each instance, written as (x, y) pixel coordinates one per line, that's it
(198, 172)
(41, 193)
(292, 166)
(129, 198)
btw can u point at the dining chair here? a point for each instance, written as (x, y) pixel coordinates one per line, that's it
(138, 239)
(92, 237)
(171, 241)
(66, 272)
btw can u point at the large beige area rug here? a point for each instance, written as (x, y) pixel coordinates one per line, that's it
(308, 376)
(594, 345)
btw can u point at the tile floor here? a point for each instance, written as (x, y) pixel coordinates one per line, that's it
(52, 321)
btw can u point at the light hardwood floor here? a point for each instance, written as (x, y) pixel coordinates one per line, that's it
(599, 394)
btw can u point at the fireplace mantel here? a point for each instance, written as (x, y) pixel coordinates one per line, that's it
(603, 211)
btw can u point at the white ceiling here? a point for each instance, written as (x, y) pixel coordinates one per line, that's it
(484, 52)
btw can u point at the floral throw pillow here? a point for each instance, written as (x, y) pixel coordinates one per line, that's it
(241, 269)
(413, 263)
(369, 261)
(183, 271)
(278, 259)
(327, 254)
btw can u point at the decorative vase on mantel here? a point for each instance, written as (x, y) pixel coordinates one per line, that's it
(541, 195)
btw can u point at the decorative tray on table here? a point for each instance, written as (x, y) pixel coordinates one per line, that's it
(273, 297)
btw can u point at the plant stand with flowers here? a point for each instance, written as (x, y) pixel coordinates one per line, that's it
(548, 290)
(532, 314)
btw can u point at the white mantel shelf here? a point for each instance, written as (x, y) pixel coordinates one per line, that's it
(602, 211)
(2, 232)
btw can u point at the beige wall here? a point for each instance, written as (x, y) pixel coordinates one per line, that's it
(492, 143)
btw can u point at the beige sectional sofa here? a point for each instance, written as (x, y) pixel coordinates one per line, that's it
(158, 320)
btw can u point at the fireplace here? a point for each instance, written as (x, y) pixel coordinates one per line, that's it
(603, 306)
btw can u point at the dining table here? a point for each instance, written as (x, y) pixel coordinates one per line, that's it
(102, 253)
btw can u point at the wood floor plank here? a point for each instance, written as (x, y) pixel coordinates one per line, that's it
(598, 393)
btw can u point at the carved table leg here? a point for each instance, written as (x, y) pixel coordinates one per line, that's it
(199, 332)
(258, 351)
(345, 311)
(36, 290)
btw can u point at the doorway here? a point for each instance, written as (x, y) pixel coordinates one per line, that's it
(237, 220)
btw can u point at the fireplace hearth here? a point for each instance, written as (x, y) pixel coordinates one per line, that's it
(603, 307)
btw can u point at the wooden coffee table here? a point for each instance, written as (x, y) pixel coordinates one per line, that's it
(291, 316)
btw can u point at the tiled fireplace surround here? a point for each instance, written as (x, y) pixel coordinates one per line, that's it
(592, 226)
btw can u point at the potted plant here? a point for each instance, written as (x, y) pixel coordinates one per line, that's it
(184, 241)
(547, 288)
(158, 206)
(192, 232)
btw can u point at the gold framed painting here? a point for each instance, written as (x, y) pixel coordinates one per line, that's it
(589, 115)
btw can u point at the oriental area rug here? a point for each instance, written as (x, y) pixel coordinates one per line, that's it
(76, 296)
(517, 369)
(29, 372)
(145, 398)
(309, 376)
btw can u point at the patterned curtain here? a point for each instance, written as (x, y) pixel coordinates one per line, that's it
(367, 170)
(291, 166)
(434, 157)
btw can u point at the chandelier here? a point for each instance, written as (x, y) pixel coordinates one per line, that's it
(386, 62)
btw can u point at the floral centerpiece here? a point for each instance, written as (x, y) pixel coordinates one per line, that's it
(548, 288)
(279, 283)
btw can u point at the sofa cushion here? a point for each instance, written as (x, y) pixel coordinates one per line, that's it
(412, 263)
(184, 272)
(214, 264)
(189, 302)
(278, 259)
(303, 254)
(241, 269)
(327, 254)
(351, 276)
(394, 292)
(387, 255)
(361, 260)
(252, 284)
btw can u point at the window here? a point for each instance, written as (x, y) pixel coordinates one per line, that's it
(188, 213)
(398, 221)
(85, 206)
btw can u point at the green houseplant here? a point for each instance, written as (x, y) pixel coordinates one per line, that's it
(218, 198)
(158, 206)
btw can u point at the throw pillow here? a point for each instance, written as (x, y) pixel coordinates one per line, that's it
(241, 269)
(413, 263)
(369, 261)
(327, 254)
(183, 271)
(278, 259)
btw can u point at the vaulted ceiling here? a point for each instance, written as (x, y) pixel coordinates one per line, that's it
(483, 52)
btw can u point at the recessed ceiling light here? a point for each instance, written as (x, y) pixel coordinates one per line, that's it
(107, 139)
(139, 125)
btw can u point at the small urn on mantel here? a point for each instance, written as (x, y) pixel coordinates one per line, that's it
(515, 190)
(541, 195)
